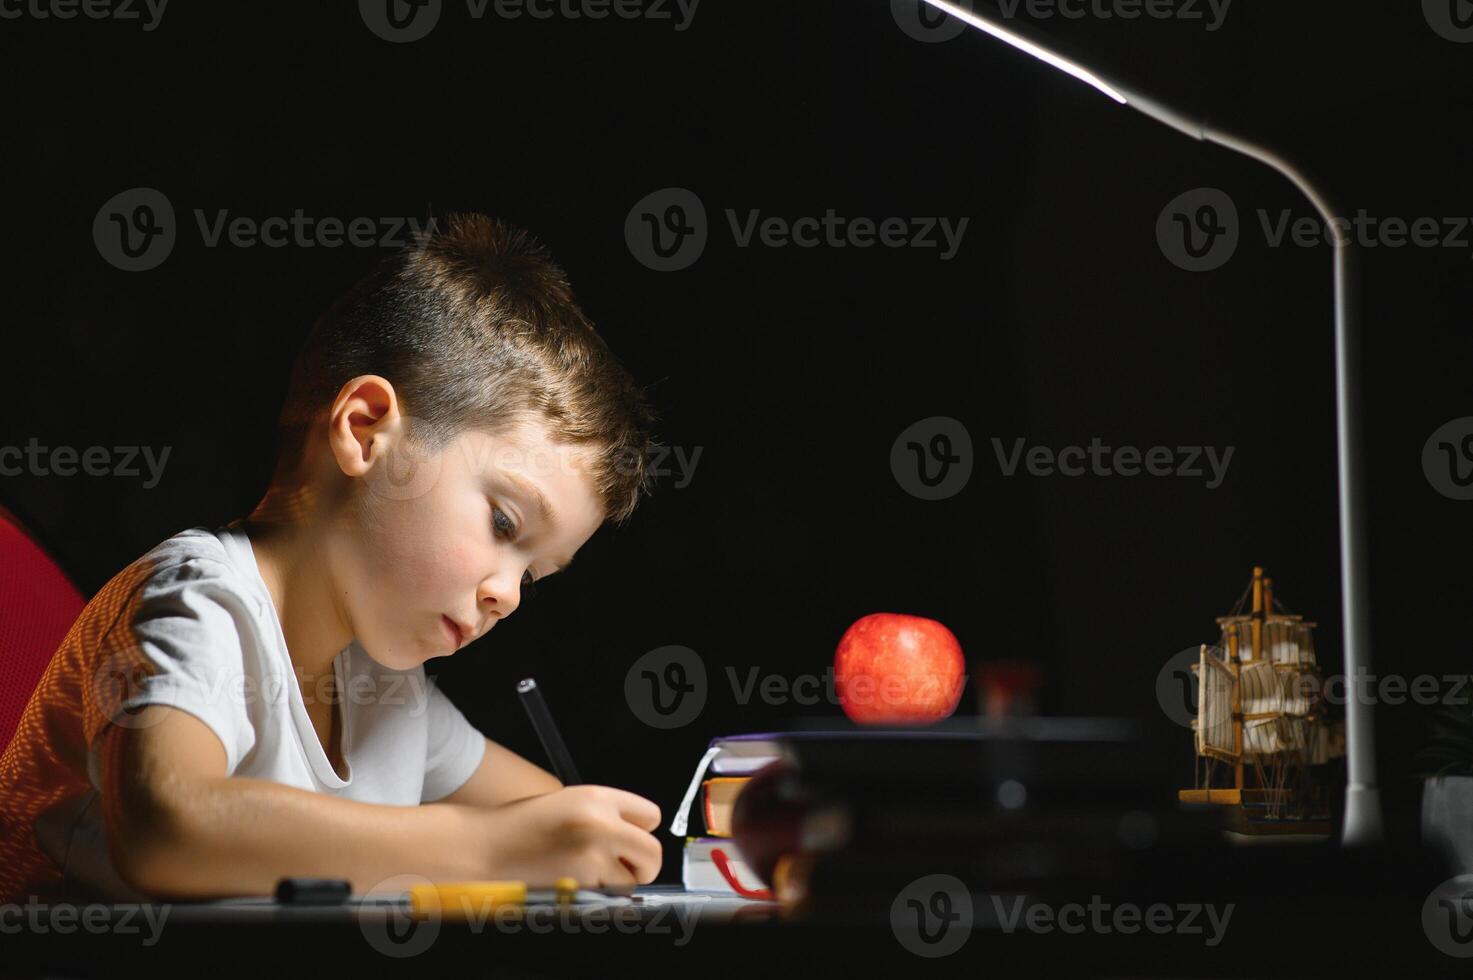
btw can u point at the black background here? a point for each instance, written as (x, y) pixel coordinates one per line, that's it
(791, 370)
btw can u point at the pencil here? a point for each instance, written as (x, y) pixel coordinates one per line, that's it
(563, 768)
(547, 731)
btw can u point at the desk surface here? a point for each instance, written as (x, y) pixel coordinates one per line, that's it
(1334, 914)
(643, 904)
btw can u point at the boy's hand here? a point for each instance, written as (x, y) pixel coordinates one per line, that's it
(599, 835)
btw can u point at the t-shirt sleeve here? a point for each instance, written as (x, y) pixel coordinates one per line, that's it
(454, 749)
(176, 641)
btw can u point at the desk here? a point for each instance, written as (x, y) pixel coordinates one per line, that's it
(1324, 913)
(647, 904)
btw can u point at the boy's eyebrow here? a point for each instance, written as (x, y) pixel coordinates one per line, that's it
(544, 509)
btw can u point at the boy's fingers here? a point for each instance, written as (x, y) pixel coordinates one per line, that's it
(638, 810)
(635, 872)
(640, 850)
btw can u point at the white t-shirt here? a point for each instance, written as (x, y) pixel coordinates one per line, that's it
(191, 624)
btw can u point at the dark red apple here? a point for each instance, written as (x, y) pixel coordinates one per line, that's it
(1008, 687)
(895, 669)
(768, 815)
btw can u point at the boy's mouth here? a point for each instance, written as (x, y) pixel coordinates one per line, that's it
(455, 632)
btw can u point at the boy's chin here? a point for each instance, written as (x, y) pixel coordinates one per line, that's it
(398, 657)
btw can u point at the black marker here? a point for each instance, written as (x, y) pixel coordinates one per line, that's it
(552, 739)
(313, 891)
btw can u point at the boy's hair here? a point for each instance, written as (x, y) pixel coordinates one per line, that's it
(476, 327)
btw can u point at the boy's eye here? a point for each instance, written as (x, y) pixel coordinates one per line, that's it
(508, 529)
(503, 524)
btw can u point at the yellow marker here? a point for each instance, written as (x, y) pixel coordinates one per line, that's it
(457, 901)
(566, 889)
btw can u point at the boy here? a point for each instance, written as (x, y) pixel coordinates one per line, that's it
(248, 703)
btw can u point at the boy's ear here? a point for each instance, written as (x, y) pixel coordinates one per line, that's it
(364, 420)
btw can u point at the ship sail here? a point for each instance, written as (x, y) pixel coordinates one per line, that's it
(1215, 682)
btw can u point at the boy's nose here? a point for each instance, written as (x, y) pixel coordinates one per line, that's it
(498, 597)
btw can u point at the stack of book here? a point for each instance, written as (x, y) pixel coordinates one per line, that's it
(711, 861)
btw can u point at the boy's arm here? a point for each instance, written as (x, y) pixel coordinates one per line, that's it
(502, 777)
(178, 826)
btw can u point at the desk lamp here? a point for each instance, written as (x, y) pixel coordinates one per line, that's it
(1362, 818)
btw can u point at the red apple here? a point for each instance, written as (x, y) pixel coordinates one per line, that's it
(894, 669)
(768, 815)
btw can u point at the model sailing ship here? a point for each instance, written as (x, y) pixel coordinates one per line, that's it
(1262, 735)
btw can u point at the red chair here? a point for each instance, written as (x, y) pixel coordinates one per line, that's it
(38, 604)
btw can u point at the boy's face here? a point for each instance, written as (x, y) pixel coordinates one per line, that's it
(453, 536)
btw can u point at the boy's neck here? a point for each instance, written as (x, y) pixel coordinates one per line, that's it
(290, 556)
